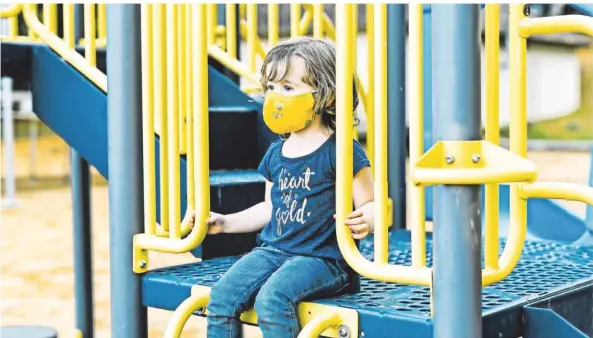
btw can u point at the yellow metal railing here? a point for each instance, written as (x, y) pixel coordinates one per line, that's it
(470, 162)
(379, 269)
(177, 97)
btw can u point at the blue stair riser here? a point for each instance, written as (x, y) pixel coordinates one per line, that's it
(16, 64)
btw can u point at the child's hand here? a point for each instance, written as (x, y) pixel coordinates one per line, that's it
(360, 222)
(215, 222)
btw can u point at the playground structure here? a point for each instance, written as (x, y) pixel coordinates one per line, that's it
(543, 280)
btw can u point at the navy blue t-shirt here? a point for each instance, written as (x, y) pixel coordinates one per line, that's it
(304, 199)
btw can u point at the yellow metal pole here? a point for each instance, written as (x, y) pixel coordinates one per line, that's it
(69, 25)
(212, 21)
(148, 119)
(102, 17)
(183, 312)
(318, 20)
(361, 93)
(348, 248)
(381, 194)
(417, 216)
(13, 26)
(492, 131)
(273, 25)
(252, 35)
(89, 34)
(32, 34)
(191, 192)
(370, 94)
(181, 9)
(173, 122)
(295, 16)
(231, 30)
(200, 132)
(160, 102)
(518, 145)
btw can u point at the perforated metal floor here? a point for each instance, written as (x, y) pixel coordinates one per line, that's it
(544, 268)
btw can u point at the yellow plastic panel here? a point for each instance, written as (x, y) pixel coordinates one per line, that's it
(471, 162)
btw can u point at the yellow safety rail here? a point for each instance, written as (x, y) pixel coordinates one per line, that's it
(380, 269)
(315, 319)
(189, 51)
(449, 162)
(86, 67)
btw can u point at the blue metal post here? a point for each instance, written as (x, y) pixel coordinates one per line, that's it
(396, 108)
(124, 123)
(589, 219)
(81, 207)
(427, 99)
(457, 231)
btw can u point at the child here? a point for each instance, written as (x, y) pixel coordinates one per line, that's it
(299, 258)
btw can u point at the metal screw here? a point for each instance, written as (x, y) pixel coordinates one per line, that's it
(476, 158)
(142, 264)
(526, 10)
(449, 159)
(343, 331)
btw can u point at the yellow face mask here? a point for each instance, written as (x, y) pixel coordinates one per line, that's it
(285, 114)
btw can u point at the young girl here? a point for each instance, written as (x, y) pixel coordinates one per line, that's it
(299, 258)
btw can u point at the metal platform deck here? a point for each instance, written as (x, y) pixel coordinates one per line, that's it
(546, 270)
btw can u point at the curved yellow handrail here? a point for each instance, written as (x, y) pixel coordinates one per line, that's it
(556, 25)
(557, 190)
(415, 274)
(60, 47)
(320, 323)
(183, 313)
(12, 10)
(199, 63)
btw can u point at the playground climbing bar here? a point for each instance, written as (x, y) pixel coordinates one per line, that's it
(492, 37)
(195, 59)
(457, 234)
(417, 273)
(416, 103)
(124, 123)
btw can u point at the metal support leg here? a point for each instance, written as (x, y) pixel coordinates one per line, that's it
(83, 266)
(396, 105)
(33, 136)
(589, 219)
(427, 99)
(9, 200)
(81, 206)
(457, 231)
(124, 122)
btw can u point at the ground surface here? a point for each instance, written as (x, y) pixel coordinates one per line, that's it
(36, 244)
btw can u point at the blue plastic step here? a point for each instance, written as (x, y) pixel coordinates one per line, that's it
(233, 144)
(545, 269)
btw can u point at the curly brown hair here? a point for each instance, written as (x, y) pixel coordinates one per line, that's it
(320, 73)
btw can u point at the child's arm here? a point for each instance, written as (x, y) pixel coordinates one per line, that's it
(361, 220)
(248, 220)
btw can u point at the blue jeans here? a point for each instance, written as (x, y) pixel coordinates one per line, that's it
(273, 282)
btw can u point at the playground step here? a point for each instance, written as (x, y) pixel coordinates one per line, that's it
(545, 270)
(233, 143)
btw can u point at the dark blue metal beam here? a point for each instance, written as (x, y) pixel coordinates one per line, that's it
(457, 231)
(396, 108)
